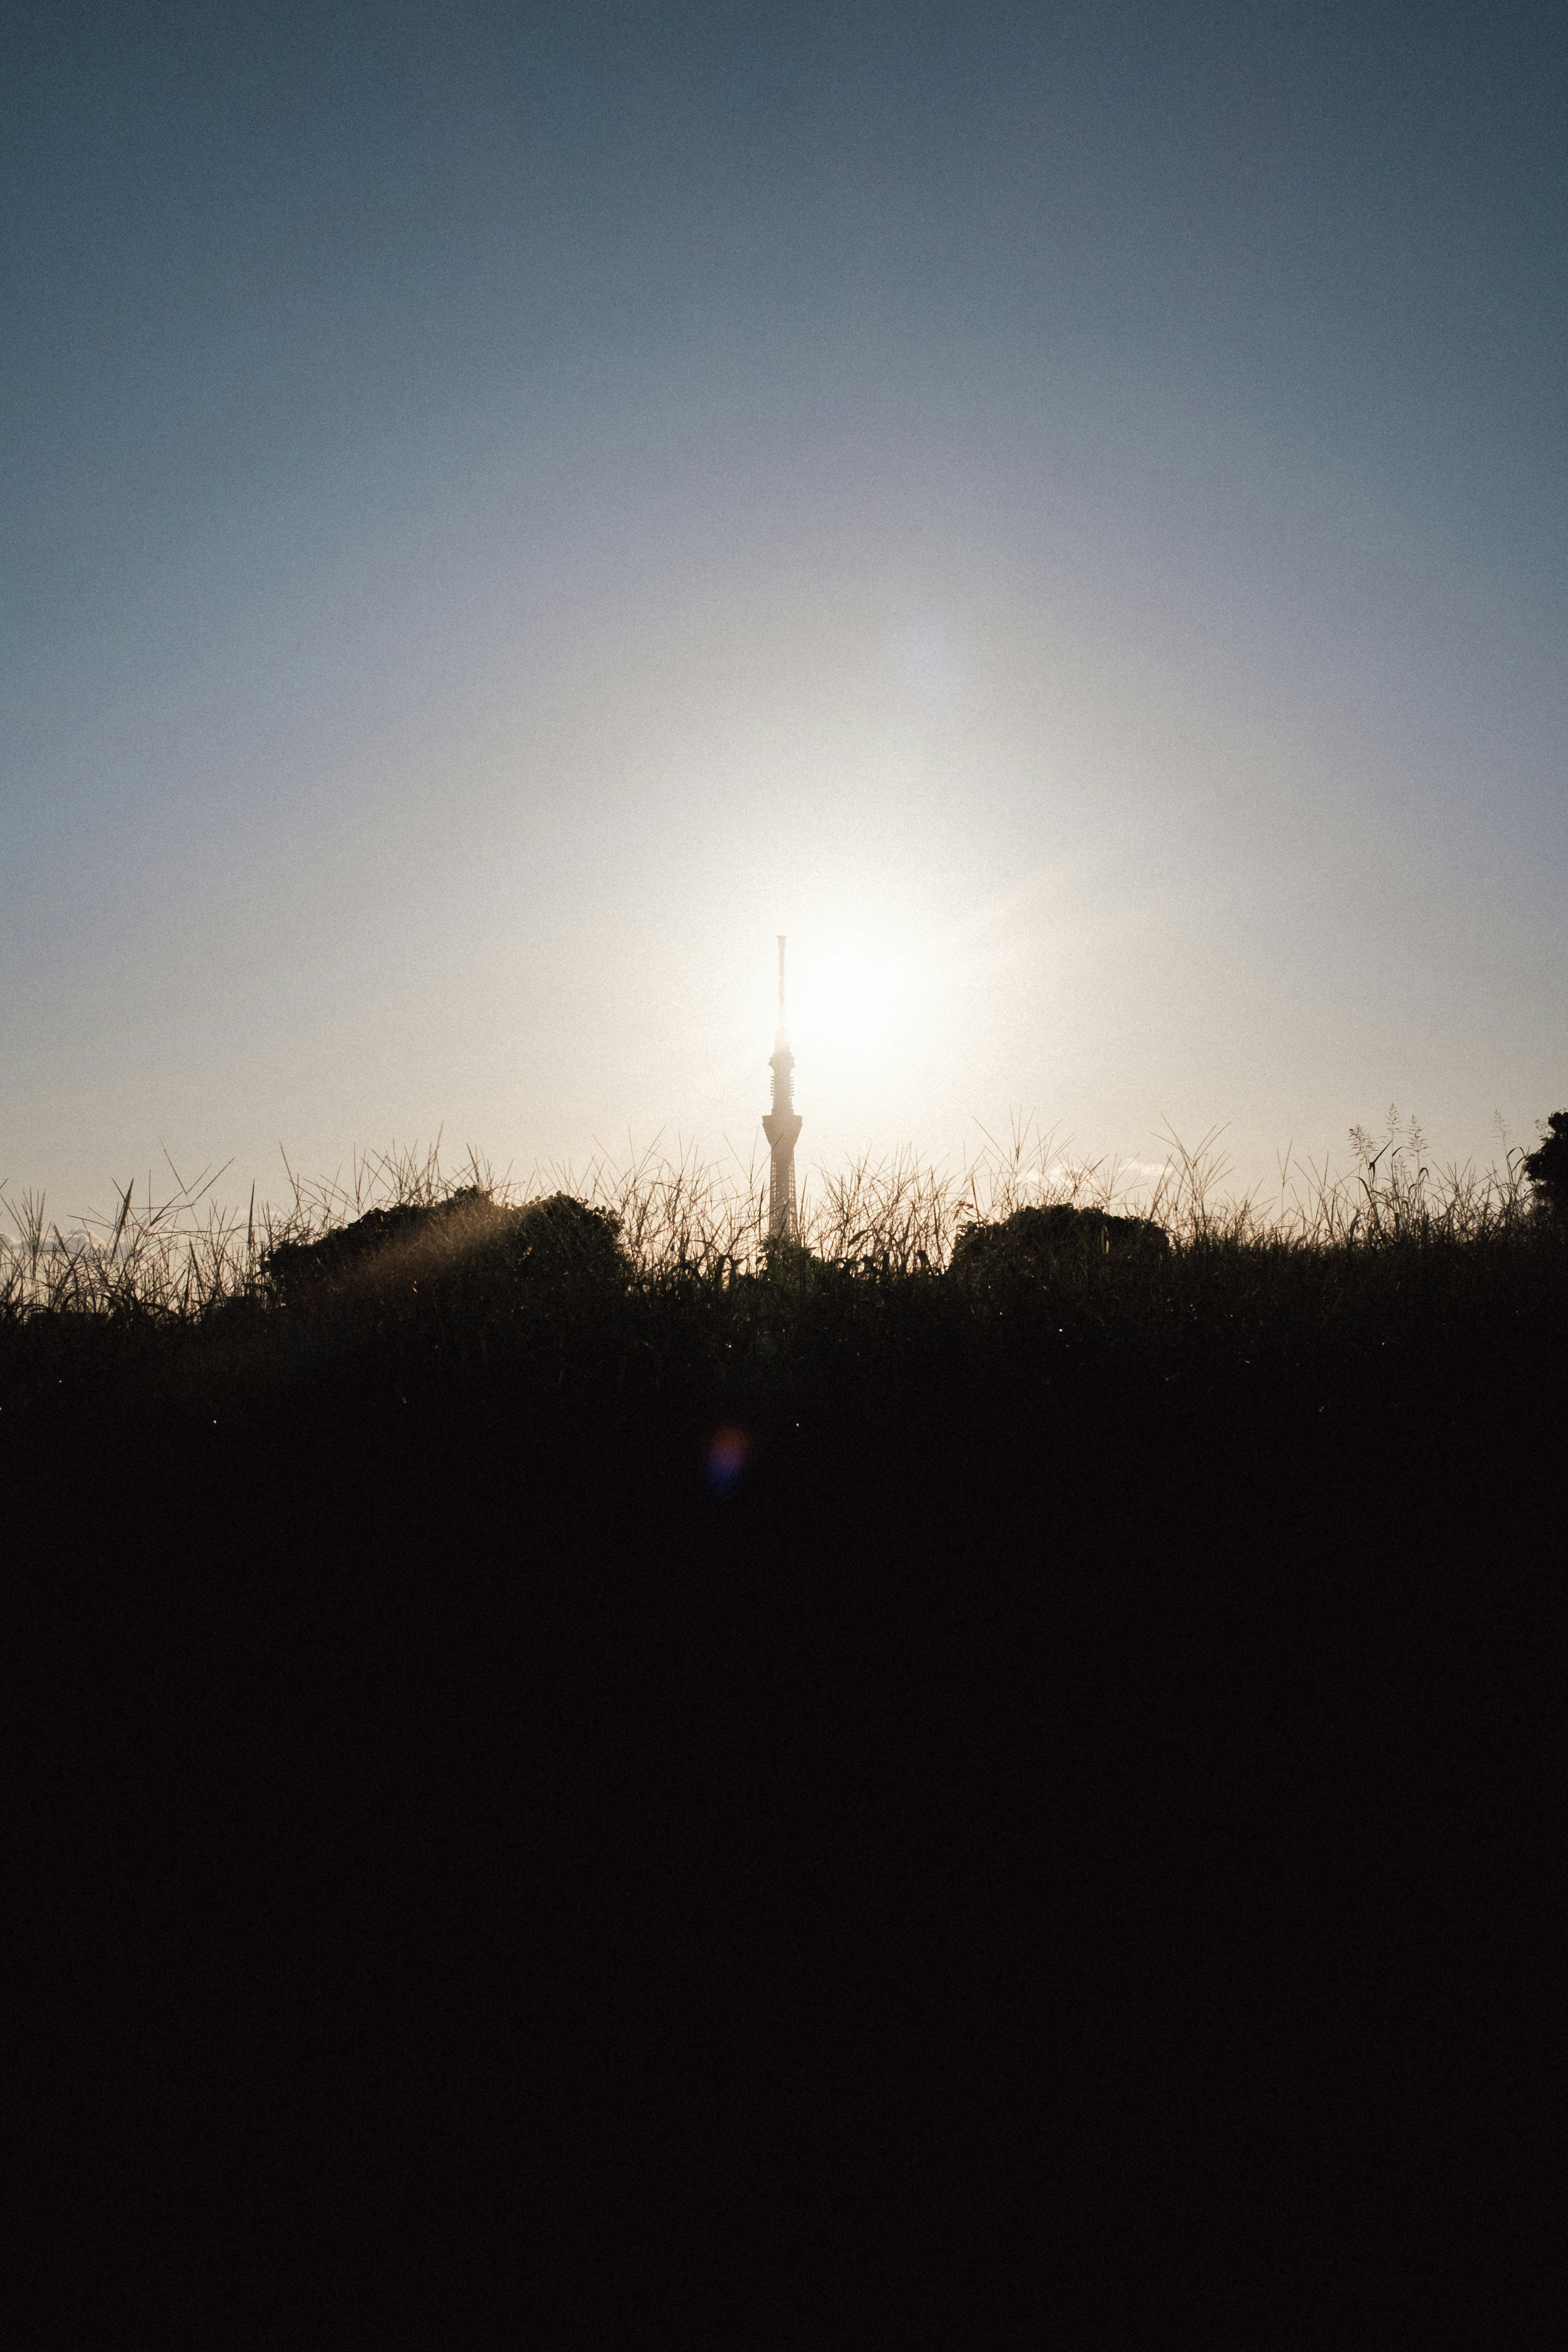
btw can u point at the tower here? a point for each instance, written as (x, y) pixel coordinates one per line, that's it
(781, 1127)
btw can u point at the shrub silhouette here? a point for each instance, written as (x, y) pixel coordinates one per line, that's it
(562, 1240)
(551, 1244)
(1033, 1240)
(1547, 1168)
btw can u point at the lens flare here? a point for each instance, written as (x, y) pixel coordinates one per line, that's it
(727, 1458)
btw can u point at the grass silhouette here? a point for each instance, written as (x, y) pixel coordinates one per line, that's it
(813, 1776)
(669, 1256)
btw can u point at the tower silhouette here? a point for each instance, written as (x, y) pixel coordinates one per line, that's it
(781, 1127)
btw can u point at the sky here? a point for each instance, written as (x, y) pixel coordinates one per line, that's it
(503, 510)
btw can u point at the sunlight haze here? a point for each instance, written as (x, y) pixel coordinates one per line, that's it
(507, 511)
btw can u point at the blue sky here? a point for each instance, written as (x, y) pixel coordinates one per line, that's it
(506, 509)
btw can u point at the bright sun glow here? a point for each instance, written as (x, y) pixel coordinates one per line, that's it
(845, 999)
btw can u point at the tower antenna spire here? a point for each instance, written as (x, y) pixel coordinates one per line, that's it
(781, 1127)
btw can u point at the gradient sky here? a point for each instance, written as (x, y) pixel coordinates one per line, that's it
(506, 509)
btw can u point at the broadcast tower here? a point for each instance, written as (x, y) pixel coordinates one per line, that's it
(781, 1127)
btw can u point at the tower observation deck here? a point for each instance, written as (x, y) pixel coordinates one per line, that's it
(781, 1127)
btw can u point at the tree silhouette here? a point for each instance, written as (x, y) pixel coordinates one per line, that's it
(1547, 1168)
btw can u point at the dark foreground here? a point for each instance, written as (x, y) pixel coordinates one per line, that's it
(1048, 1854)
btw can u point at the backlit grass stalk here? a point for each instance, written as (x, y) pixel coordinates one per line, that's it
(173, 1255)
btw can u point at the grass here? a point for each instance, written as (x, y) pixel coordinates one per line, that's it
(1350, 1353)
(1074, 1799)
(1357, 1257)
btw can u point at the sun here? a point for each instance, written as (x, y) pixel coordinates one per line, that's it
(846, 1000)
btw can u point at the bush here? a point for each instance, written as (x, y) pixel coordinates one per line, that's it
(410, 1238)
(1033, 1241)
(554, 1243)
(1547, 1168)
